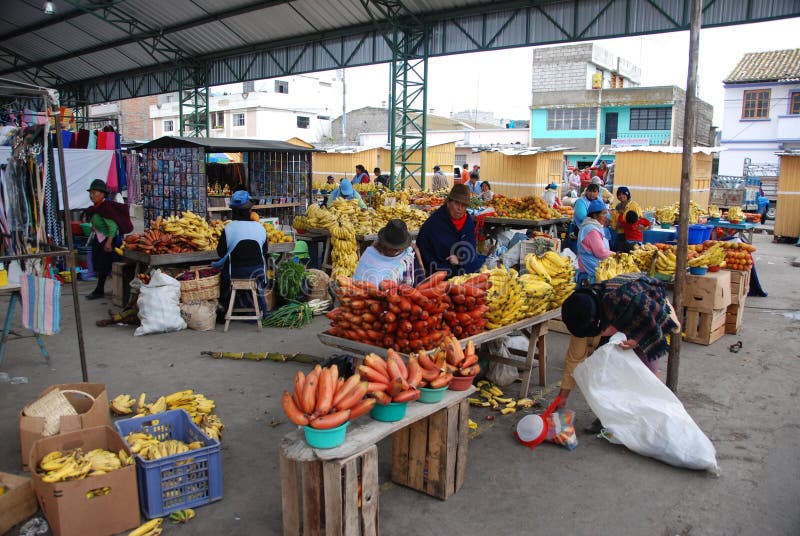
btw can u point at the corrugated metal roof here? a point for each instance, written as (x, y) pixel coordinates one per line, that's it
(225, 144)
(109, 50)
(771, 66)
(667, 149)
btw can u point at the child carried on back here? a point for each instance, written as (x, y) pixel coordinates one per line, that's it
(634, 227)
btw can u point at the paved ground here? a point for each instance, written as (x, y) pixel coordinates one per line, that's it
(746, 402)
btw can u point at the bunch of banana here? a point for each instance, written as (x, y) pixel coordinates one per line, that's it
(535, 267)
(620, 263)
(344, 248)
(212, 426)
(505, 298)
(57, 466)
(666, 214)
(365, 223)
(713, 256)
(300, 223)
(182, 516)
(414, 218)
(189, 229)
(665, 262)
(714, 211)
(735, 214)
(195, 404)
(123, 404)
(143, 408)
(150, 448)
(643, 256)
(151, 528)
(556, 270)
(318, 218)
(491, 396)
(539, 294)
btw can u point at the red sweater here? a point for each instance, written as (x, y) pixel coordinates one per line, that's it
(633, 232)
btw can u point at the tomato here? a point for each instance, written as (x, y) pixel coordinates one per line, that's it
(389, 317)
(406, 326)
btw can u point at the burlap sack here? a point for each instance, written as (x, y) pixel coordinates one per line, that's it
(200, 315)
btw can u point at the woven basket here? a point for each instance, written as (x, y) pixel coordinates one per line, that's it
(200, 288)
(51, 407)
(318, 284)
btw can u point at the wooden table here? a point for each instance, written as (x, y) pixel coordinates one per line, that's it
(740, 228)
(534, 327)
(429, 454)
(195, 257)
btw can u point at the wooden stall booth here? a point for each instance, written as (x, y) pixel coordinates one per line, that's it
(787, 219)
(653, 174)
(522, 172)
(189, 174)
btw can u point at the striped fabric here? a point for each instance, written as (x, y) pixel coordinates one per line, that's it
(41, 304)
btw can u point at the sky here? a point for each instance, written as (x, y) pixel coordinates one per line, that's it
(500, 81)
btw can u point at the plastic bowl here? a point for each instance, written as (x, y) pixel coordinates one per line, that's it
(461, 383)
(714, 268)
(735, 222)
(698, 270)
(666, 225)
(326, 439)
(431, 396)
(713, 220)
(393, 411)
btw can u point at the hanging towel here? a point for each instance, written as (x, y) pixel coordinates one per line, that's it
(105, 140)
(66, 138)
(83, 139)
(41, 304)
(112, 181)
(92, 140)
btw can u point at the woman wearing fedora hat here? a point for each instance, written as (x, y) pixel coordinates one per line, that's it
(447, 240)
(110, 221)
(392, 257)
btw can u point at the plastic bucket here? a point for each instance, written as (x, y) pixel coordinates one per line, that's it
(431, 396)
(698, 270)
(326, 439)
(698, 233)
(393, 411)
(461, 383)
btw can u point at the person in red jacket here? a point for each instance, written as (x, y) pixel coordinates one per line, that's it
(634, 227)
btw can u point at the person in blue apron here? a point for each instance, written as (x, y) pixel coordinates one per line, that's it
(592, 242)
(242, 248)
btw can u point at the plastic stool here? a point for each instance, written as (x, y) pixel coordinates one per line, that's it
(243, 284)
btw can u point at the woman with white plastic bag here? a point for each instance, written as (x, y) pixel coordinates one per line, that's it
(632, 304)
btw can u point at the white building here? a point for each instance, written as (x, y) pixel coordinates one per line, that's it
(275, 109)
(762, 109)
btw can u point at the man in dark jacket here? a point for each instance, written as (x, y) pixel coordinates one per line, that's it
(446, 240)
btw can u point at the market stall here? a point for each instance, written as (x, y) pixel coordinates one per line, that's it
(176, 176)
(522, 172)
(787, 219)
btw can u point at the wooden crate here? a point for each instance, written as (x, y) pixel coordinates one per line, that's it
(122, 274)
(704, 328)
(733, 318)
(740, 285)
(332, 497)
(421, 459)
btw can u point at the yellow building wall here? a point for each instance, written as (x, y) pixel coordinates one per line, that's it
(521, 175)
(787, 220)
(342, 164)
(655, 178)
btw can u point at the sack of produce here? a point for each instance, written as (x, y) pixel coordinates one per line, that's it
(200, 315)
(159, 305)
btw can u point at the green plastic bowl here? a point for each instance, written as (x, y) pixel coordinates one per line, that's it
(666, 225)
(391, 412)
(326, 439)
(431, 396)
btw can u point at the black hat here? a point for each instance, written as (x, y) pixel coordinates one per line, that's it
(395, 235)
(583, 314)
(99, 185)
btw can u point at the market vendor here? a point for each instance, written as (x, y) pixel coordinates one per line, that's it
(110, 221)
(550, 195)
(633, 304)
(347, 192)
(447, 238)
(592, 243)
(621, 208)
(392, 256)
(242, 248)
(486, 192)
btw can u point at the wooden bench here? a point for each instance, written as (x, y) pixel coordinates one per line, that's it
(335, 491)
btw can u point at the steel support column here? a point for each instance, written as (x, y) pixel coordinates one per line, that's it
(193, 103)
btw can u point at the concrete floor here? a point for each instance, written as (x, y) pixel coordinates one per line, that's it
(747, 403)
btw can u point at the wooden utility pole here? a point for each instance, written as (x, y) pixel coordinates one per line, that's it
(689, 122)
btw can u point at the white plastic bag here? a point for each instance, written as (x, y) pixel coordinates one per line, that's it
(159, 305)
(497, 372)
(640, 411)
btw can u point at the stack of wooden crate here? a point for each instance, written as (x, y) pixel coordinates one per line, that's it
(706, 298)
(740, 285)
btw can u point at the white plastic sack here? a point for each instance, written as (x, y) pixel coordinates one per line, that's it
(640, 411)
(159, 305)
(500, 373)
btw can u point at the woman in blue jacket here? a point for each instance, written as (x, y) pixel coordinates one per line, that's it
(446, 240)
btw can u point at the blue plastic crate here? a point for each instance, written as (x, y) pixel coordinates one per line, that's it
(179, 481)
(698, 233)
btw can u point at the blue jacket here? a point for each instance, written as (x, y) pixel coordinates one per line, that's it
(438, 239)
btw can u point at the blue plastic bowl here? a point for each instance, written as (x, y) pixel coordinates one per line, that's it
(326, 439)
(431, 396)
(391, 412)
(698, 270)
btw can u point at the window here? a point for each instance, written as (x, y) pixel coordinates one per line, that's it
(217, 119)
(249, 86)
(238, 120)
(794, 106)
(281, 86)
(169, 125)
(302, 122)
(651, 118)
(324, 117)
(755, 104)
(572, 119)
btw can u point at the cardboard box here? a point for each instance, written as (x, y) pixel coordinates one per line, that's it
(65, 504)
(740, 285)
(704, 328)
(709, 292)
(90, 413)
(18, 503)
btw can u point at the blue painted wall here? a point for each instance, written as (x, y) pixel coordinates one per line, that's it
(539, 128)
(657, 137)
